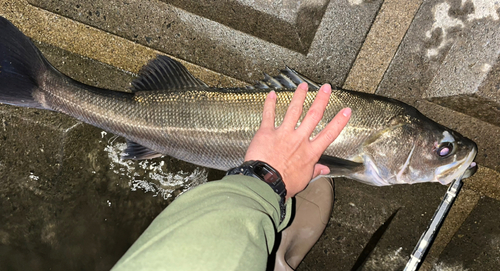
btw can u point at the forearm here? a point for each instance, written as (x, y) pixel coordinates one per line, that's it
(223, 225)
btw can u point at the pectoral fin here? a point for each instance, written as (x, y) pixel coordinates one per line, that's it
(138, 152)
(341, 167)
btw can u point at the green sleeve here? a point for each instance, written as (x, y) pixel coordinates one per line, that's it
(223, 225)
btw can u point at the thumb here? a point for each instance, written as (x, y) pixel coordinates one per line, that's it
(320, 169)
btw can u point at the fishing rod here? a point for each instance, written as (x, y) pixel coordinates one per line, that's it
(428, 237)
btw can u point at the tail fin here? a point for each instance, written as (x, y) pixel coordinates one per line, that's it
(21, 63)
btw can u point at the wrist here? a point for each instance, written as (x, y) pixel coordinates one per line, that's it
(267, 174)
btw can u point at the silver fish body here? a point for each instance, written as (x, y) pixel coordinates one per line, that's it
(169, 112)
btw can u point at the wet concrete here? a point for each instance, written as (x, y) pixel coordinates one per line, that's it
(476, 244)
(361, 211)
(68, 202)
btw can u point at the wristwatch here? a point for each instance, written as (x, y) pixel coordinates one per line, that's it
(267, 174)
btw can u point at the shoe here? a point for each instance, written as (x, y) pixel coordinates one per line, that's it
(313, 207)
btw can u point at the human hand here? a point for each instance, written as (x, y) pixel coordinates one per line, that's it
(291, 151)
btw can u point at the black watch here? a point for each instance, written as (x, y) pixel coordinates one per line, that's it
(267, 174)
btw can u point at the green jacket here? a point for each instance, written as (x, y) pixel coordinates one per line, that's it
(223, 225)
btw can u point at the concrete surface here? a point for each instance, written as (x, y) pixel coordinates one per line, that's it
(219, 47)
(475, 246)
(67, 202)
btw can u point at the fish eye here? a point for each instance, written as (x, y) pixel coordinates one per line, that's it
(445, 149)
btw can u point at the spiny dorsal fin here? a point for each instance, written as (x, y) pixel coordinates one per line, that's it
(272, 82)
(138, 152)
(288, 78)
(164, 73)
(298, 78)
(286, 81)
(261, 85)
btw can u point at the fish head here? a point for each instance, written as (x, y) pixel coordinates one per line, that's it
(417, 151)
(453, 156)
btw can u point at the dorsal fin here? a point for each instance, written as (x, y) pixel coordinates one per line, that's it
(272, 82)
(164, 73)
(288, 78)
(261, 85)
(298, 78)
(286, 81)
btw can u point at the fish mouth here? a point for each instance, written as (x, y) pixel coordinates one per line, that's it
(471, 170)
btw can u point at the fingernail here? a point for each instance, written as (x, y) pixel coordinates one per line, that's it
(346, 112)
(303, 86)
(272, 94)
(326, 88)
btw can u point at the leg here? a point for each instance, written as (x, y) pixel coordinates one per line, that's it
(313, 208)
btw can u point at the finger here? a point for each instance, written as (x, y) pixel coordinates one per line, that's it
(331, 131)
(295, 108)
(268, 116)
(316, 111)
(320, 169)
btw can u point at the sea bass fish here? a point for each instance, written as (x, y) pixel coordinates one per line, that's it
(170, 112)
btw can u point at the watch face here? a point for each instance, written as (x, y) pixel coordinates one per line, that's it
(268, 174)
